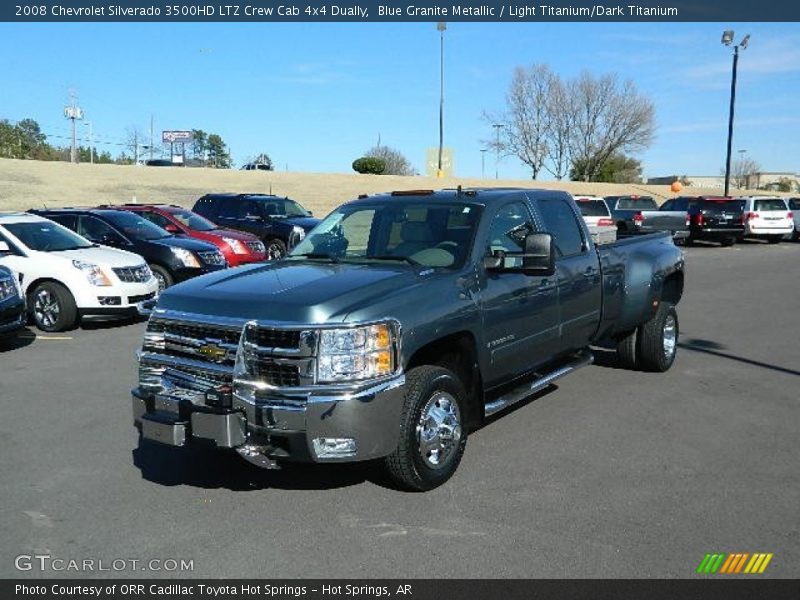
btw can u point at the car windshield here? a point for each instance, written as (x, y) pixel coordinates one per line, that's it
(46, 236)
(432, 234)
(771, 204)
(193, 221)
(283, 207)
(637, 203)
(722, 206)
(593, 208)
(135, 226)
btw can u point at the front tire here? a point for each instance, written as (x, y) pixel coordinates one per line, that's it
(53, 307)
(276, 249)
(432, 433)
(658, 340)
(163, 277)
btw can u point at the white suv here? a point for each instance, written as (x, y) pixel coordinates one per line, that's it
(767, 217)
(65, 276)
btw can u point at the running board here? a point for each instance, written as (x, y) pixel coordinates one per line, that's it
(523, 391)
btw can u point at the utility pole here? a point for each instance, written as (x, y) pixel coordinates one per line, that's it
(727, 40)
(497, 128)
(135, 147)
(151, 137)
(483, 163)
(73, 112)
(91, 142)
(441, 26)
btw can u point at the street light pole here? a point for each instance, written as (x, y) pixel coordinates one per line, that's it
(441, 26)
(497, 127)
(727, 39)
(91, 142)
(483, 163)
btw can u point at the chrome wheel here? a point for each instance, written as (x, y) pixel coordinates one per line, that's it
(46, 309)
(670, 338)
(162, 282)
(274, 251)
(439, 430)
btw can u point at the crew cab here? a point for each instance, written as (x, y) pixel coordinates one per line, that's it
(12, 300)
(238, 247)
(279, 222)
(767, 218)
(708, 218)
(171, 258)
(65, 277)
(399, 325)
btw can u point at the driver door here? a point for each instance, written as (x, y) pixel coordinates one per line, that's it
(99, 232)
(519, 311)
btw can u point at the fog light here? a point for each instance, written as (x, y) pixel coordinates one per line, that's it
(109, 300)
(334, 447)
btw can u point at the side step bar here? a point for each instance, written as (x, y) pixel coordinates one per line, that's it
(582, 360)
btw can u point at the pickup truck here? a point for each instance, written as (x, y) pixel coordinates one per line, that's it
(12, 301)
(397, 326)
(692, 218)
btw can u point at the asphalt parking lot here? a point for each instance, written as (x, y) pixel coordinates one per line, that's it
(610, 474)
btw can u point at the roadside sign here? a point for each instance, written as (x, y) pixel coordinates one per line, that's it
(432, 162)
(174, 137)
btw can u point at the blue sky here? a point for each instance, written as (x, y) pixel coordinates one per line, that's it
(315, 96)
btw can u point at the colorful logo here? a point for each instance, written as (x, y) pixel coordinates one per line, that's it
(736, 562)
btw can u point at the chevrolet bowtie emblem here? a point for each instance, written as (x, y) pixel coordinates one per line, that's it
(213, 352)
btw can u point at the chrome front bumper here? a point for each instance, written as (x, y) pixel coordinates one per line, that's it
(282, 428)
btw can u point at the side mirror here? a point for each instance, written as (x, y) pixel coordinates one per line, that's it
(171, 228)
(4, 247)
(540, 256)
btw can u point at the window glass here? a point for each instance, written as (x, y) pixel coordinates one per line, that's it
(95, 230)
(772, 204)
(560, 221)
(670, 205)
(230, 208)
(134, 226)
(510, 226)
(159, 220)
(46, 236)
(637, 203)
(593, 208)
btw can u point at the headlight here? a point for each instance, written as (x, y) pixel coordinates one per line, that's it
(356, 353)
(236, 245)
(93, 273)
(187, 257)
(8, 288)
(299, 232)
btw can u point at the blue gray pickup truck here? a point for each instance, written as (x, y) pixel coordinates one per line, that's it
(399, 325)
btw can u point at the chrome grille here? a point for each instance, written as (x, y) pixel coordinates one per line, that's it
(256, 246)
(138, 274)
(212, 257)
(277, 374)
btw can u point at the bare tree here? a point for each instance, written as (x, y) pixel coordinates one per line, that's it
(608, 117)
(396, 162)
(526, 119)
(561, 114)
(742, 171)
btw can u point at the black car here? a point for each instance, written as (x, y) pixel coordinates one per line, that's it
(12, 303)
(710, 218)
(172, 258)
(281, 223)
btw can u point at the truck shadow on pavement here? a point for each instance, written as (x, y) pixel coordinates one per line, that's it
(210, 468)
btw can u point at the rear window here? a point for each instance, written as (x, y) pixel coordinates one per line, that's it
(794, 204)
(722, 206)
(640, 203)
(769, 205)
(593, 208)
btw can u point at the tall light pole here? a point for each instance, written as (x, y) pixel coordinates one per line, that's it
(727, 40)
(73, 112)
(497, 128)
(441, 26)
(483, 163)
(91, 142)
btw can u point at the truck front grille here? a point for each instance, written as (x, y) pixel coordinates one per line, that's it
(279, 375)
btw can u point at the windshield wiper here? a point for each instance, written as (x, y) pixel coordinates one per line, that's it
(405, 259)
(318, 255)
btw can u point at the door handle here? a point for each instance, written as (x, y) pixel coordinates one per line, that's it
(590, 272)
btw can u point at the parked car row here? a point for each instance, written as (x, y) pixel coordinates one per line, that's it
(114, 260)
(692, 218)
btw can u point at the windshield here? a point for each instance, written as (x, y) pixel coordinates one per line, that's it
(283, 207)
(433, 235)
(593, 208)
(770, 205)
(638, 203)
(135, 226)
(193, 221)
(722, 206)
(46, 236)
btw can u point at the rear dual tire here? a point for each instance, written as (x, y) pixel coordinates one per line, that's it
(653, 345)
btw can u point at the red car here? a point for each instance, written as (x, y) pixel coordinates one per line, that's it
(238, 247)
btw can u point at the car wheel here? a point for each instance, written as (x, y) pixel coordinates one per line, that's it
(275, 249)
(53, 307)
(658, 340)
(432, 434)
(626, 350)
(163, 277)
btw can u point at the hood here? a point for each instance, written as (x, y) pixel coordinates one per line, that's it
(288, 291)
(306, 223)
(183, 242)
(100, 255)
(232, 233)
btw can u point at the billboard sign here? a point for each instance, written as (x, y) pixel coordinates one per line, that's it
(176, 137)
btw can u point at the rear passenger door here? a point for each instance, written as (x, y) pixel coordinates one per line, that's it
(577, 273)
